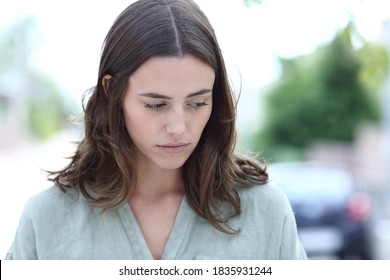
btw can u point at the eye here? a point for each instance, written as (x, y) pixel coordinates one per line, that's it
(197, 105)
(154, 106)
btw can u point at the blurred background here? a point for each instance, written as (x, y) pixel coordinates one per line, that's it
(314, 85)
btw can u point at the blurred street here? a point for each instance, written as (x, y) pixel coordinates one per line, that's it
(380, 227)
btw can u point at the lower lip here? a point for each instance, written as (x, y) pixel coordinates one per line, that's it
(173, 149)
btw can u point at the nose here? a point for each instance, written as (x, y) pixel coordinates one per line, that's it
(176, 123)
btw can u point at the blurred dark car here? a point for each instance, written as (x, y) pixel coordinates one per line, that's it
(331, 214)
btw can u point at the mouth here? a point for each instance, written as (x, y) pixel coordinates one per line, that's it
(173, 148)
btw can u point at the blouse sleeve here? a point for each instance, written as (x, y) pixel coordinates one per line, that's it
(24, 244)
(291, 247)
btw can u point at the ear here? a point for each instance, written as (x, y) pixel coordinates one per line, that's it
(105, 83)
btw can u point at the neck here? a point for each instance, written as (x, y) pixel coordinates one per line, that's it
(156, 182)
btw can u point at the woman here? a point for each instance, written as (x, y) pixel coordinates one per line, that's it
(156, 176)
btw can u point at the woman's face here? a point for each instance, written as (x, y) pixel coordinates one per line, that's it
(166, 106)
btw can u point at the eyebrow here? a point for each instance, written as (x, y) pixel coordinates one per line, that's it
(161, 96)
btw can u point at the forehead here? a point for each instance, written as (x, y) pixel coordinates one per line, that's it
(171, 74)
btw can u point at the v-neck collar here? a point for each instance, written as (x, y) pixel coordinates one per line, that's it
(177, 238)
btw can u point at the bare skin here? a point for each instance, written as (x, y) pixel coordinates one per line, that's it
(156, 216)
(155, 209)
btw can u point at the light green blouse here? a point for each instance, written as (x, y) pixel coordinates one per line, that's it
(57, 225)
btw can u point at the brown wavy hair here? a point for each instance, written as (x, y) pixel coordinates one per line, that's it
(103, 166)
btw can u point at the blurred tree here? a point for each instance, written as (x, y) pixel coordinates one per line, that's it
(29, 98)
(324, 95)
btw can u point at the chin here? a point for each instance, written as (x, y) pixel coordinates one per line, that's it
(171, 164)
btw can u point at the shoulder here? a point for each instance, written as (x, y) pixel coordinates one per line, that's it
(52, 203)
(51, 197)
(53, 212)
(266, 202)
(41, 219)
(265, 209)
(268, 197)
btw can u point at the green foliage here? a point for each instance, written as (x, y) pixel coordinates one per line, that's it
(324, 95)
(46, 109)
(376, 67)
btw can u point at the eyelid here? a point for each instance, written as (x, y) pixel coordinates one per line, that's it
(200, 98)
(193, 102)
(198, 104)
(154, 106)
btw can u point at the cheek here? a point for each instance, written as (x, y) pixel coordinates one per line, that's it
(140, 126)
(133, 122)
(202, 122)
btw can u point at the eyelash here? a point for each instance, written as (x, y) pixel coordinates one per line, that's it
(154, 106)
(160, 106)
(197, 105)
